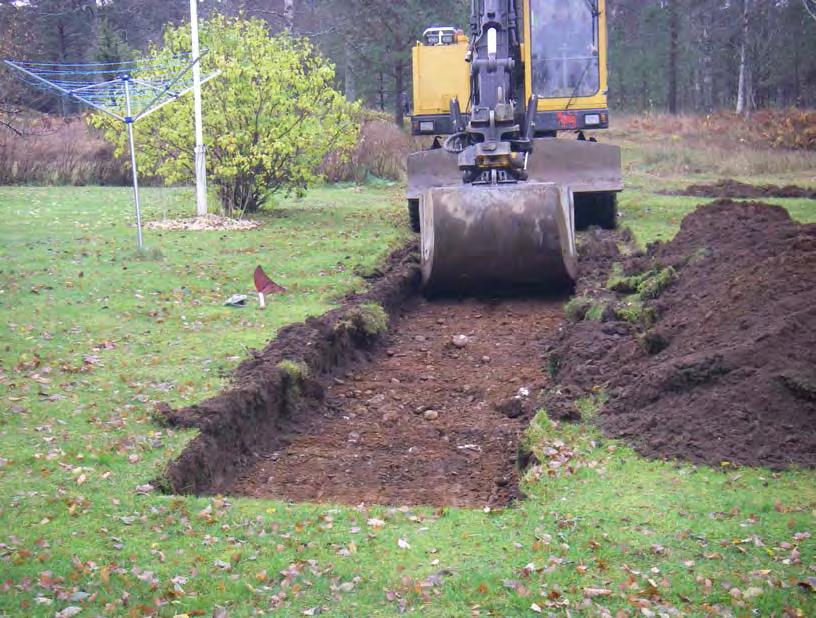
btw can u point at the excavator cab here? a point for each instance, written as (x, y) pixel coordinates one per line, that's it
(565, 63)
(499, 203)
(562, 58)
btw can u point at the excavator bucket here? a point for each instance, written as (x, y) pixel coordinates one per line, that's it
(518, 234)
(490, 237)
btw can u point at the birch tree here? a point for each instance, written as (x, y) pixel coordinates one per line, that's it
(743, 80)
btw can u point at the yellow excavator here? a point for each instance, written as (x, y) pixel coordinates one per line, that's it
(499, 194)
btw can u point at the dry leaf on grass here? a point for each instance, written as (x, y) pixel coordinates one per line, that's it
(205, 223)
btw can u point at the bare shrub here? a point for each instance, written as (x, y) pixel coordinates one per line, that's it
(57, 151)
(381, 151)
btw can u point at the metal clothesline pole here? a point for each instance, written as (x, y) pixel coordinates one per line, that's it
(129, 122)
(135, 93)
(200, 151)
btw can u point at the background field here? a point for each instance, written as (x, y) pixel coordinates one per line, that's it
(93, 335)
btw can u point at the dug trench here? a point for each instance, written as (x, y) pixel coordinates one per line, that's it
(703, 348)
(389, 399)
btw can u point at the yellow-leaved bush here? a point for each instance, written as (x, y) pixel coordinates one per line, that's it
(270, 117)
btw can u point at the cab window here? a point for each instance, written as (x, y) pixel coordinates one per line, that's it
(564, 48)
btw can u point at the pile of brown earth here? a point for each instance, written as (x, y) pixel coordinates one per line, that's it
(707, 348)
(739, 190)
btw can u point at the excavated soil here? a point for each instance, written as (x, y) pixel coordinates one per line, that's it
(429, 412)
(739, 190)
(721, 367)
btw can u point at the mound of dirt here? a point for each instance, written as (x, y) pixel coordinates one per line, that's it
(719, 363)
(739, 190)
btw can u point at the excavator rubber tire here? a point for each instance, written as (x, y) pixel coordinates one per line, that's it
(596, 209)
(413, 214)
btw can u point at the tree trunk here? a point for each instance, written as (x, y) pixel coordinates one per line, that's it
(64, 102)
(797, 90)
(708, 79)
(350, 85)
(644, 94)
(289, 15)
(743, 68)
(381, 91)
(674, 27)
(399, 83)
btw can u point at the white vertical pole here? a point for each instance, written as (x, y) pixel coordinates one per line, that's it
(129, 122)
(200, 155)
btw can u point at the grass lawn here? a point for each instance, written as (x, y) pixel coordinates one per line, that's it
(92, 337)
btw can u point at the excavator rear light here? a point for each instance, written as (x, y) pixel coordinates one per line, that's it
(444, 35)
(592, 119)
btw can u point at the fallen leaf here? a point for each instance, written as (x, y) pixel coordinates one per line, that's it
(596, 592)
(68, 612)
(403, 544)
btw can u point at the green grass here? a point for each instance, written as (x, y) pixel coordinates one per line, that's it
(92, 338)
(667, 162)
(657, 217)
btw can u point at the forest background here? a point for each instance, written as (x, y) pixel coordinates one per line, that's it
(679, 56)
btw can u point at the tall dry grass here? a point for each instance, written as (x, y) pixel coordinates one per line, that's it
(782, 129)
(766, 143)
(56, 151)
